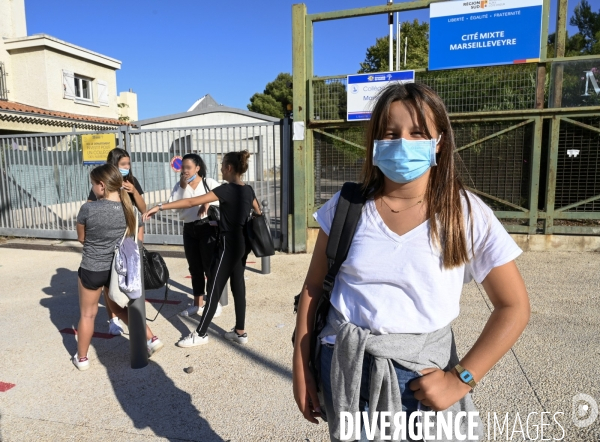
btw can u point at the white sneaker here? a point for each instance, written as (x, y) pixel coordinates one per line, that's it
(192, 340)
(154, 346)
(192, 310)
(114, 328)
(81, 363)
(234, 337)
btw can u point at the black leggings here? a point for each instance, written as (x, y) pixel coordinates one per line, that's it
(199, 244)
(229, 263)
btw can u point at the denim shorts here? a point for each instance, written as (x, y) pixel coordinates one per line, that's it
(405, 376)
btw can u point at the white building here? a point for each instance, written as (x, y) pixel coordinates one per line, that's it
(50, 85)
(211, 130)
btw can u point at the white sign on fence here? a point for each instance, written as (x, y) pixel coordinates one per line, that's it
(362, 89)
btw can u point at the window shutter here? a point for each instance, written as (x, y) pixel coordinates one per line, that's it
(69, 85)
(102, 93)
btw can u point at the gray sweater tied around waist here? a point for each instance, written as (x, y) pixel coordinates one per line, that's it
(414, 352)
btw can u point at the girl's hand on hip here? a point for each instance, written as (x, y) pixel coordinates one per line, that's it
(305, 394)
(439, 389)
(149, 213)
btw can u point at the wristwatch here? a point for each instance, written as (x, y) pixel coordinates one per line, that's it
(465, 375)
(160, 206)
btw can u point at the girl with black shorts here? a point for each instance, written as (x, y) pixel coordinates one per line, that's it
(121, 160)
(236, 200)
(100, 227)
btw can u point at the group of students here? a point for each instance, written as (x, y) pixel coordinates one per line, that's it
(387, 345)
(215, 251)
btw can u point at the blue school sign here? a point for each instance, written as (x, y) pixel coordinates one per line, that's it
(470, 33)
(362, 90)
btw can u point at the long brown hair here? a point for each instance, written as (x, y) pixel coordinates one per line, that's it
(113, 182)
(444, 188)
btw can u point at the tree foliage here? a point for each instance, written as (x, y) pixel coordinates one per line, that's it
(417, 35)
(587, 40)
(274, 99)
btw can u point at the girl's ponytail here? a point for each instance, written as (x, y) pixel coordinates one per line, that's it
(128, 210)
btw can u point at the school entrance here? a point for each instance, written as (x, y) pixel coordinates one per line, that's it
(43, 181)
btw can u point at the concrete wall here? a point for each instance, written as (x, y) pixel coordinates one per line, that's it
(37, 76)
(130, 108)
(12, 24)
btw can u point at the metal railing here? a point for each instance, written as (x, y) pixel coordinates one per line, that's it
(43, 181)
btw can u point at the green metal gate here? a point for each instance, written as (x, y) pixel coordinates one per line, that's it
(527, 135)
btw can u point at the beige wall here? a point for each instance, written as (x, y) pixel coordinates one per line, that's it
(37, 75)
(12, 18)
(130, 108)
(12, 24)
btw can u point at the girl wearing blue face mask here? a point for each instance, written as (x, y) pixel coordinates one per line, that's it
(388, 344)
(199, 236)
(120, 159)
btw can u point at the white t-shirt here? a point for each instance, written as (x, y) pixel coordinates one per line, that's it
(191, 214)
(396, 284)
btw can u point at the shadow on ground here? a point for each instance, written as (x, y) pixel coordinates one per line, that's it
(148, 396)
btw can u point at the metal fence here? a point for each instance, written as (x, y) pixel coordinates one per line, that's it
(43, 181)
(493, 88)
(540, 174)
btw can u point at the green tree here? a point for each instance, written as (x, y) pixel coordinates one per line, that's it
(274, 99)
(588, 23)
(587, 40)
(377, 57)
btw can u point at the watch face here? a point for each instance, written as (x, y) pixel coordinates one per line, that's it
(466, 376)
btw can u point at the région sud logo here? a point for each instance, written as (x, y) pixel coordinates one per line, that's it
(481, 4)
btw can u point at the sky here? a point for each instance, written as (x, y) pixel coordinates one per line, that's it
(174, 52)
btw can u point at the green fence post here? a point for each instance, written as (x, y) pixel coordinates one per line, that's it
(299, 157)
(534, 189)
(552, 165)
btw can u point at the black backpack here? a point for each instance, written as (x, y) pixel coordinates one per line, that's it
(156, 274)
(346, 217)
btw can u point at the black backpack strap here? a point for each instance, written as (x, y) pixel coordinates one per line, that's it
(346, 217)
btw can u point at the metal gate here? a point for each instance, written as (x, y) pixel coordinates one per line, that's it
(43, 181)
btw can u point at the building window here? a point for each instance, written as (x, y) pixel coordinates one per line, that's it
(83, 88)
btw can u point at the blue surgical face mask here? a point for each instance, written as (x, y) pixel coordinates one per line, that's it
(124, 172)
(192, 178)
(403, 161)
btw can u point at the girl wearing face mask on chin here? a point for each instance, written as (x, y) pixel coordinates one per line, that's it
(199, 236)
(121, 160)
(388, 344)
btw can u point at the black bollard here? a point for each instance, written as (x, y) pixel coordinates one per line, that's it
(265, 261)
(138, 349)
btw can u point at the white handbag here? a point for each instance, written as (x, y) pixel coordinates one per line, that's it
(114, 292)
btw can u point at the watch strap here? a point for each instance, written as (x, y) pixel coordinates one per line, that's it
(465, 375)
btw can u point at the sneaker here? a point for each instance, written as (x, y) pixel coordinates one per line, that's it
(154, 346)
(192, 310)
(192, 340)
(114, 328)
(234, 337)
(81, 363)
